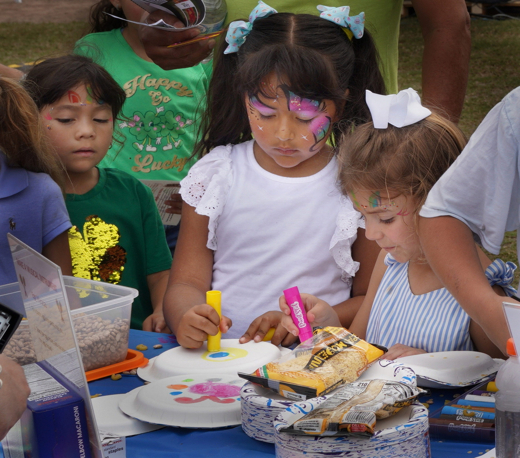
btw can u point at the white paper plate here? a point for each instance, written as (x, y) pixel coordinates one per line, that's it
(187, 401)
(451, 369)
(395, 371)
(233, 357)
(111, 419)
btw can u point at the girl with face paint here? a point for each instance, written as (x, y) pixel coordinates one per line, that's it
(388, 170)
(117, 235)
(263, 211)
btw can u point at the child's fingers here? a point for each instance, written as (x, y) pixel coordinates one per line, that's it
(287, 323)
(282, 302)
(225, 324)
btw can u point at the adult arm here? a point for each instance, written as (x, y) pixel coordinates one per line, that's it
(366, 253)
(58, 251)
(451, 252)
(13, 394)
(157, 284)
(445, 26)
(156, 43)
(185, 308)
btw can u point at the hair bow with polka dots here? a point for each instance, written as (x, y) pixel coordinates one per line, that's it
(239, 30)
(341, 16)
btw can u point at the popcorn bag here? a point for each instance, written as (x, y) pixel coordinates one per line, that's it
(332, 357)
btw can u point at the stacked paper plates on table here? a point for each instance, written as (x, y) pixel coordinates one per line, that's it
(260, 407)
(405, 435)
(230, 359)
(451, 369)
(189, 402)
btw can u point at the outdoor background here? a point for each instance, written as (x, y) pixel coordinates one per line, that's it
(36, 29)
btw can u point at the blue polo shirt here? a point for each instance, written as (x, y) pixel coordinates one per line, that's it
(32, 208)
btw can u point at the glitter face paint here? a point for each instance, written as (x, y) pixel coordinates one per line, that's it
(312, 110)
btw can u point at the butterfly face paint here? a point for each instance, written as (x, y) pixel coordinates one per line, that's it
(288, 128)
(312, 111)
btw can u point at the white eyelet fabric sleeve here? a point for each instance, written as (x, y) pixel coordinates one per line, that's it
(206, 187)
(348, 222)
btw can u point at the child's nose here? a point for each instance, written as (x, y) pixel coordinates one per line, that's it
(283, 132)
(86, 130)
(372, 232)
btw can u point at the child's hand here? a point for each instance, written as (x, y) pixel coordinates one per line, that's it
(261, 325)
(155, 323)
(199, 322)
(400, 351)
(319, 313)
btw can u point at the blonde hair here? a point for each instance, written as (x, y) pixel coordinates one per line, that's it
(398, 161)
(22, 139)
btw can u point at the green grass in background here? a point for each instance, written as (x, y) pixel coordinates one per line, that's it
(494, 68)
(24, 42)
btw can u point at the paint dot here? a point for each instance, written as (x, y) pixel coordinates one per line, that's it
(177, 387)
(175, 393)
(218, 354)
(188, 380)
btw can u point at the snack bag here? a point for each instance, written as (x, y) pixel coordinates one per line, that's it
(332, 357)
(355, 407)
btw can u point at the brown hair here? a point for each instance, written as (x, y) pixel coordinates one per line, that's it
(99, 21)
(312, 56)
(22, 139)
(399, 161)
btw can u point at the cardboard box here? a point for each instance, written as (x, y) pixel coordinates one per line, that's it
(54, 424)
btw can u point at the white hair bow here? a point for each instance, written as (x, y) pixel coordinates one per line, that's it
(402, 109)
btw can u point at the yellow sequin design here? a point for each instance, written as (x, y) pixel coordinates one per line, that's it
(96, 253)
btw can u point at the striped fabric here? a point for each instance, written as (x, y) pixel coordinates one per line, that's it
(433, 321)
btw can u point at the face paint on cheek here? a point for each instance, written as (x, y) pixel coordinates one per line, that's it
(47, 116)
(319, 127)
(403, 212)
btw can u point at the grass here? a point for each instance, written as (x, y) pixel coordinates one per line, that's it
(493, 70)
(23, 42)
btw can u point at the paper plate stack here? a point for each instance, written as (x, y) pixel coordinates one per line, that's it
(405, 435)
(260, 407)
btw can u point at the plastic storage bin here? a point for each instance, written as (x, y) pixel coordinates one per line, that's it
(101, 317)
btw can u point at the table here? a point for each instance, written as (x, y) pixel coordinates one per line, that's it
(232, 442)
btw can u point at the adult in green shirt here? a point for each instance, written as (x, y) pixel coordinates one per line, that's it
(444, 24)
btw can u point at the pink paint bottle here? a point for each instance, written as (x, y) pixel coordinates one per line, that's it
(298, 312)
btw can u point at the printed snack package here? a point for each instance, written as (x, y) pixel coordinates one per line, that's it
(332, 357)
(355, 407)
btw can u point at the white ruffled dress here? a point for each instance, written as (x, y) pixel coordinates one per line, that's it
(270, 233)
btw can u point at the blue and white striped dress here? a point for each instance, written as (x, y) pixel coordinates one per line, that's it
(433, 321)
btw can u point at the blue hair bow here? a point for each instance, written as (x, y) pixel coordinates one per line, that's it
(239, 30)
(340, 15)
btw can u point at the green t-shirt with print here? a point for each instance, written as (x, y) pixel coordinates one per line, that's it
(382, 19)
(159, 119)
(117, 236)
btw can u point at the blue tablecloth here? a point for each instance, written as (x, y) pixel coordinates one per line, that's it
(233, 442)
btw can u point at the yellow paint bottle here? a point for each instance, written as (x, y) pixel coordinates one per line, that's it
(213, 298)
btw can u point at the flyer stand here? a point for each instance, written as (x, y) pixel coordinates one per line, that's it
(46, 307)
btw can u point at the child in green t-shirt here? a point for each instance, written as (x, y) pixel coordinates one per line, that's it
(117, 235)
(159, 119)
